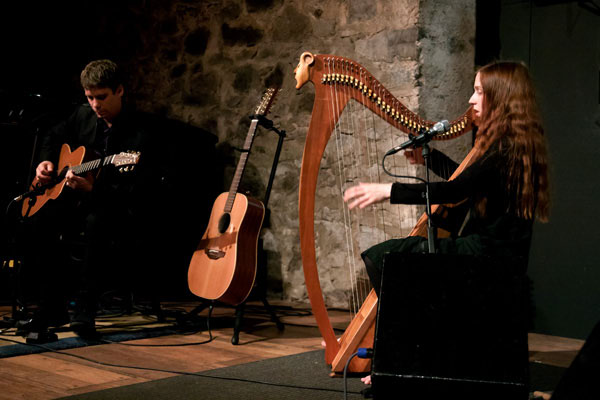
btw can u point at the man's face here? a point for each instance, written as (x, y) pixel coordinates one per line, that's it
(105, 102)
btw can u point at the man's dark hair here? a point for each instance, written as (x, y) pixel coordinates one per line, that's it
(101, 74)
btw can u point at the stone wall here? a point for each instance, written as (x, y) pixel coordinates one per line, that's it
(206, 63)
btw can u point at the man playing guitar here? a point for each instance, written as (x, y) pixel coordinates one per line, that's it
(96, 210)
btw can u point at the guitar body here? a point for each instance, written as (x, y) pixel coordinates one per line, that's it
(223, 267)
(67, 159)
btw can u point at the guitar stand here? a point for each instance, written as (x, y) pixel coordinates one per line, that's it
(239, 314)
(190, 320)
(262, 267)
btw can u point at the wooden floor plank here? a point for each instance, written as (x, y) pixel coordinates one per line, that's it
(50, 375)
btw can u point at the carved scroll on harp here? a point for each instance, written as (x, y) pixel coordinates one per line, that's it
(338, 80)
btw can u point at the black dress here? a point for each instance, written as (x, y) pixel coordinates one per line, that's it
(497, 233)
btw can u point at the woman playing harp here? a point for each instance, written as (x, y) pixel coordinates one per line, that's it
(505, 185)
(362, 118)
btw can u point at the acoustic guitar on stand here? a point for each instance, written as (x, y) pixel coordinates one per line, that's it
(39, 193)
(223, 267)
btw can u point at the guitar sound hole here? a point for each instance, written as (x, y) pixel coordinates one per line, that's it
(224, 222)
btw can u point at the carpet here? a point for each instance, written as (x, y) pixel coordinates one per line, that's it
(301, 376)
(297, 377)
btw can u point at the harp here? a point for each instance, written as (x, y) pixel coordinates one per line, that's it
(337, 81)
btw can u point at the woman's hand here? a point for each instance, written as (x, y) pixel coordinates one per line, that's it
(365, 194)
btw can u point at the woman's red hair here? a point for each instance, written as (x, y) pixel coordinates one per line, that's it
(510, 115)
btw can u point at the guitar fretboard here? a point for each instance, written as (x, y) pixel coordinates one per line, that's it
(92, 165)
(239, 172)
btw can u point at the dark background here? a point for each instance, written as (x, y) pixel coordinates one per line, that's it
(560, 41)
(46, 44)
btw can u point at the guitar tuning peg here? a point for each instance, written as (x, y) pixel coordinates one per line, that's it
(126, 169)
(121, 170)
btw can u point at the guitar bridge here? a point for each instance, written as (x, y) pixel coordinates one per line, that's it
(215, 254)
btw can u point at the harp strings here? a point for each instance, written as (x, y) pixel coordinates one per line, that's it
(359, 147)
(347, 164)
(355, 151)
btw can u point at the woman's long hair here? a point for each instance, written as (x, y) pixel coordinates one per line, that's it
(511, 117)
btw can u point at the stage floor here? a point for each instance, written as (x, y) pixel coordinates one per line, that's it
(54, 374)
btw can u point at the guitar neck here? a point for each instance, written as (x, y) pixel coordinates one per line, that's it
(239, 172)
(261, 110)
(92, 165)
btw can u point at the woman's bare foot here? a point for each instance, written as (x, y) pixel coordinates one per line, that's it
(323, 344)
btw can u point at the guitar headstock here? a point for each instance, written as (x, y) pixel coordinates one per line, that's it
(267, 101)
(125, 161)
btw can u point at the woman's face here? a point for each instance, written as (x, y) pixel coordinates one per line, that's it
(476, 99)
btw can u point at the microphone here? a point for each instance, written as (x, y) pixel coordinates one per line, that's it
(422, 138)
(38, 190)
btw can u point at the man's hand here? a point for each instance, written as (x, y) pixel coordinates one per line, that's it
(365, 194)
(78, 183)
(44, 171)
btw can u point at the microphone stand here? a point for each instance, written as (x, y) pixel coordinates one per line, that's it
(422, 140)
(431, 232)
